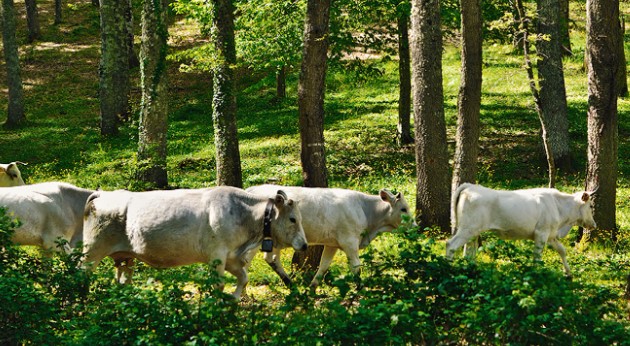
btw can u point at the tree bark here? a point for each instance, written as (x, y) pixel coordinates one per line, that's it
(32, 20)
(469, 100)
(114, 86)
(565, 19)
(58, 6)
(403, 134)
(224, 100)
(311, 91)
(553, 99)
(15, 114)
(622, 75)
(281, 82)
(152, 153)
(433, 190)
(524, 21)
(601, 45)
(133, 57)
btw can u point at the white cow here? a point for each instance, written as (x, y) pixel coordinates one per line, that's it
(10, 174)
(338, 219)
(542, 215)
(180, 227)
(47, 211)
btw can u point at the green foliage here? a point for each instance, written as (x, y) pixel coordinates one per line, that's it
(41, 295)
(407, 292)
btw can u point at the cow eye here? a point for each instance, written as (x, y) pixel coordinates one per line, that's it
(292, 219)
(404, 210)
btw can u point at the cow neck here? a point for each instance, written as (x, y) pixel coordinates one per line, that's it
(267, 240)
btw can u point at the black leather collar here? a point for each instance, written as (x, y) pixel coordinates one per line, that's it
(267, 243)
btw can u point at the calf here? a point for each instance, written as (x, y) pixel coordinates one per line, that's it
(180, 227)
(47, 211)
(10, 174)
(542, 215)
(339, 219)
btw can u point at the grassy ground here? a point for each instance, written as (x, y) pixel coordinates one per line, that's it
(61, 140)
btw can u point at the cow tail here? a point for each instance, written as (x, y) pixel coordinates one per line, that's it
(454, 202)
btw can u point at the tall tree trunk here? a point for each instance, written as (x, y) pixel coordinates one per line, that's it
(565, 37)
(58, 6)
(433, 190)
(602, 40)
(469, 100)
(311, 91)
(114, 66)
(224, 101)
(622, 75)
(15, 114)
(281, 82)
(133, 57)
(553, 98)
(524, 21)
(151, 168)
(32, 20)
(403, 134)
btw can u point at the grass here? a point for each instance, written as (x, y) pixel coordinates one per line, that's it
(61, 140)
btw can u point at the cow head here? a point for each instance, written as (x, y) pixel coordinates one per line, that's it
(10, 175)
(286, 228)
(398, 208)
(585, 203)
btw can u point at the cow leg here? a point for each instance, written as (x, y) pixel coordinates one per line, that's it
(557, 245)
(540, 240)
(470, 248)
(220, 269)
(462, 237)
(273, 259)
(237, 268)
(327, 256)
(124, 270)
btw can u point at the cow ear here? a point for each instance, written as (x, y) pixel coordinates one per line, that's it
(12, 170)
(585, 197)
(385, 195)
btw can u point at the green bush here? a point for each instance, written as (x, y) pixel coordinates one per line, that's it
(407, 294)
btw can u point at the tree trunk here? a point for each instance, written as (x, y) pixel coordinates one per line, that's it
(524, 21)
(622, 75)
(553, 98)
(403, 134)
(151, 168)
(15, 114)
(433, 190)
(114, 66)
(565, 37)
(58, 6)
(32, 20)
(224, 101)
(281, 82)
(602, 40)
(133, 57)
(311, 91)
(469, 100)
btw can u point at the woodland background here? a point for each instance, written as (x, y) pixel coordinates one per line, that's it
(407, 292)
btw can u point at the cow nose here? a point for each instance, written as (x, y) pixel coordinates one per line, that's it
(304, 247)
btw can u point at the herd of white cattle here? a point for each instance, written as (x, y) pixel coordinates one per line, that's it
(226, 226)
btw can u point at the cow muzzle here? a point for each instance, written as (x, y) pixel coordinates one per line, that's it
(300, 245)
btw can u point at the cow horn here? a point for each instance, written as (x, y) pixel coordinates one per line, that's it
(283, 194)
(594, 190)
